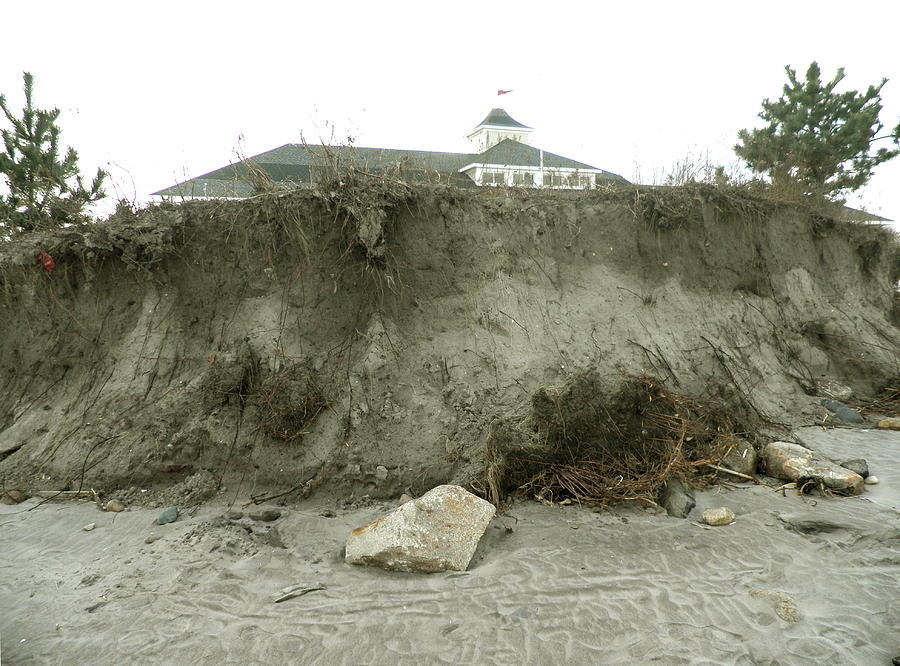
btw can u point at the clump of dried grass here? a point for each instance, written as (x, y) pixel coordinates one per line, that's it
(289, 401)
(887, 402)
(591, 444)
(363, 204)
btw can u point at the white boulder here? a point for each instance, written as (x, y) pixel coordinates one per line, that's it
(793, 462)
(437, 532)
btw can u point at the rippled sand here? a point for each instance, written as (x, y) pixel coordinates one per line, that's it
(548, 585)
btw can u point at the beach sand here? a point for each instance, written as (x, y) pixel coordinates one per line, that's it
(794, 580)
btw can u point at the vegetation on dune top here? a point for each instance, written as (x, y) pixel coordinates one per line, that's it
(46, 188)
(818, 139)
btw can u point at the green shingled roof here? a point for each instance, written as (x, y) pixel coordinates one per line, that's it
(501, 118)
(292, 164)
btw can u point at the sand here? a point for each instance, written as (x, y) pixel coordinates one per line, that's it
(256, 340)
(794, 580)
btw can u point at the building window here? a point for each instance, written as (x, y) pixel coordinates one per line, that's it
(523, 179)
(493, 178)
(552, 179)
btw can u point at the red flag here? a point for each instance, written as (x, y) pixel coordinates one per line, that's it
(47, 261)
(503, 92)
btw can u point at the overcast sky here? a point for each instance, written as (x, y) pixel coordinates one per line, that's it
(157, 92)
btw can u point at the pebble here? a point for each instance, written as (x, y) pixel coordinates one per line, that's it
(115, 506)
(404, 498)
(89, 527)
(720, 516)
(871, 480)
(234, 514)
(892, 423)
(13, 496)
(381, 472)
(858, 465)
(327, 513)
(169, 515)
(842, 411)
(266, 515)
(152, 537)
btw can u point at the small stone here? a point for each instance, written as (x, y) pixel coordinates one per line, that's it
(871, 480)
(234, 514)
(266, 515)
(381, 472)
(829, 388)
(152, 537)
(841, 411)
(169, 515)
(740, 458)
(12, 497)
(892, 423)
(676, 498)
(717, 517)
(89, 527)
(115, 506)
(327, 513)
(858, 465)
(404, 498)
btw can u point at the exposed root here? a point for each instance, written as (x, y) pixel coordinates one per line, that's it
(585, 442)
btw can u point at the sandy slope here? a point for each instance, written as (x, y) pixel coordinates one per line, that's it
(548, 585)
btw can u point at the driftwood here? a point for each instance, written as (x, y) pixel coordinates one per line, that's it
(731, 471)
(293, 591)
(66, 494)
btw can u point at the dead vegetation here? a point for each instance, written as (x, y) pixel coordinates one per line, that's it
(588, 442)
(229, 375)
(887, 401)
(289, 401)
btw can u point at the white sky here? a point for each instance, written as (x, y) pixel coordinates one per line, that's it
(156, 92)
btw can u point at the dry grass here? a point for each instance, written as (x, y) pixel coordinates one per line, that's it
(888, 402)
(591, 444)
(289, 401)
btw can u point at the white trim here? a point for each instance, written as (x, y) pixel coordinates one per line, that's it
(476, 170)
(502, 128)
(522, 167)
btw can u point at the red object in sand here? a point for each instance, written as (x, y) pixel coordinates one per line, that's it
(47, 261)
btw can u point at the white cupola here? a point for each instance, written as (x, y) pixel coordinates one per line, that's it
(496, 127)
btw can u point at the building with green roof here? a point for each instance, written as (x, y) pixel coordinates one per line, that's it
(502, 156)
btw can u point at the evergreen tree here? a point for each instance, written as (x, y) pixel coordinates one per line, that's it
(817, 138)
(44, 189)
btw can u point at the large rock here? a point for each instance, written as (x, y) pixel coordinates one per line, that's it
(437, 532)
(793, 462)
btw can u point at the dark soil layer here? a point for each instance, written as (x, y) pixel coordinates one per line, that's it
(361, 339)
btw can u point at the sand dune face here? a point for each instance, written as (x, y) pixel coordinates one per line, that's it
(547, 585)
(256, 339)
